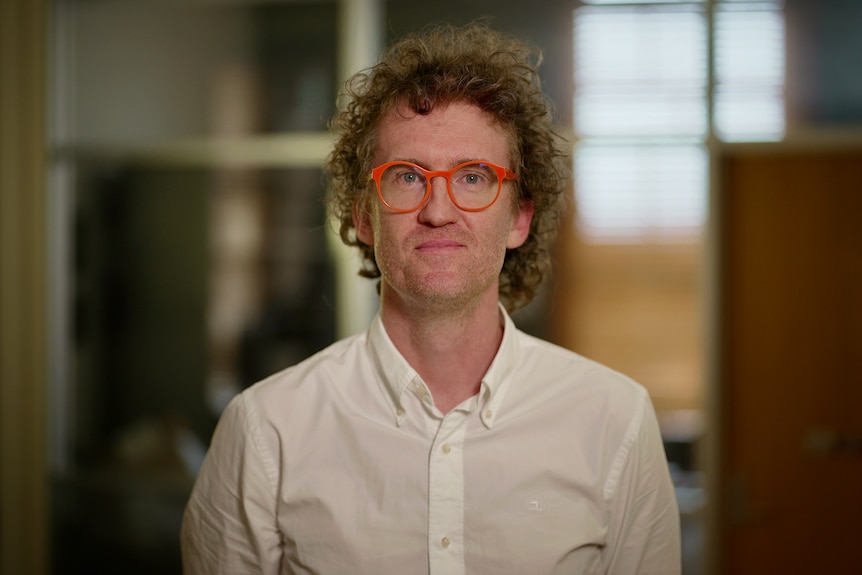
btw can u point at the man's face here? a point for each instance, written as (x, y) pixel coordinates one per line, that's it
(440, 255)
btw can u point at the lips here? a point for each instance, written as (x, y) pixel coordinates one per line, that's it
(439, 245)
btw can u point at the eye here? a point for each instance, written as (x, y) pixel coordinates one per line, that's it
(475, 175)
(403, 176)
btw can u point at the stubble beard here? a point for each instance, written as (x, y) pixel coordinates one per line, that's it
(440, 292)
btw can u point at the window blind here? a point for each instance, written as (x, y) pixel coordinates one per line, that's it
(641, 108)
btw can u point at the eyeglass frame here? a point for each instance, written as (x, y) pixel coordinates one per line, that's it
(502, 175)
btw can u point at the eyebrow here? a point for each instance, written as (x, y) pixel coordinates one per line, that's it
(425, 166)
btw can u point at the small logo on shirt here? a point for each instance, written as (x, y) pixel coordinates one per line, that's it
(534, 505)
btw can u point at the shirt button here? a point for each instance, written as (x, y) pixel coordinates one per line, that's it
(489, 414)
(446, 448)
(445, 542)
(399, 412)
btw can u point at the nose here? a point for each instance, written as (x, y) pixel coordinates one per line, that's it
(439, 210)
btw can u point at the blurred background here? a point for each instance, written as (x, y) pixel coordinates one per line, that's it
(163, 245)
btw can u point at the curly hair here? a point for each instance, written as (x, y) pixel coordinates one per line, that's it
(446, 64)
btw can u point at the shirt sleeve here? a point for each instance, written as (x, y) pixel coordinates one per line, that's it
(643, 526)
(229, 524)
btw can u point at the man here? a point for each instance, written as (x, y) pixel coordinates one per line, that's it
(443, 440)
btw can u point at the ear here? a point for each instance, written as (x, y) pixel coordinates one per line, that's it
(362, 222)
(520, 229)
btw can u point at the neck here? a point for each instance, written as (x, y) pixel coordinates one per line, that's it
(450, 349)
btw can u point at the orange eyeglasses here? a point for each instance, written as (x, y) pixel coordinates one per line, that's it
(472, 186)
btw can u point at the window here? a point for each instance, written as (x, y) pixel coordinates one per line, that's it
(749, 71)
(642, 108)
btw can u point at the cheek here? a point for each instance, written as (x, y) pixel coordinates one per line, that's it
(384, 236)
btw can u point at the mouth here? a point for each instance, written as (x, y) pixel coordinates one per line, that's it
(433, 246)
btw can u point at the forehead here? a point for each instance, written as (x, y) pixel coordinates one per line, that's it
(449, 134)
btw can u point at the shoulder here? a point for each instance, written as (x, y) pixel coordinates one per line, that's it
(567, 373)
(288, 394)
(577, 397)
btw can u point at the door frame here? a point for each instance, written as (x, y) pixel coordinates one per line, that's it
(24, 486)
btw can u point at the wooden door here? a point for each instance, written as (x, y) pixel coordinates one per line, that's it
(791, 362)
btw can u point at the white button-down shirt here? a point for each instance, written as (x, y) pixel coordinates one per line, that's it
(343, 465)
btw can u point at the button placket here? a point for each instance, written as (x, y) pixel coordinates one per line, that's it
(446, 496)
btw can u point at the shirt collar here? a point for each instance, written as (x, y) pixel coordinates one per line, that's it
(498, 378)
(395, 374)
